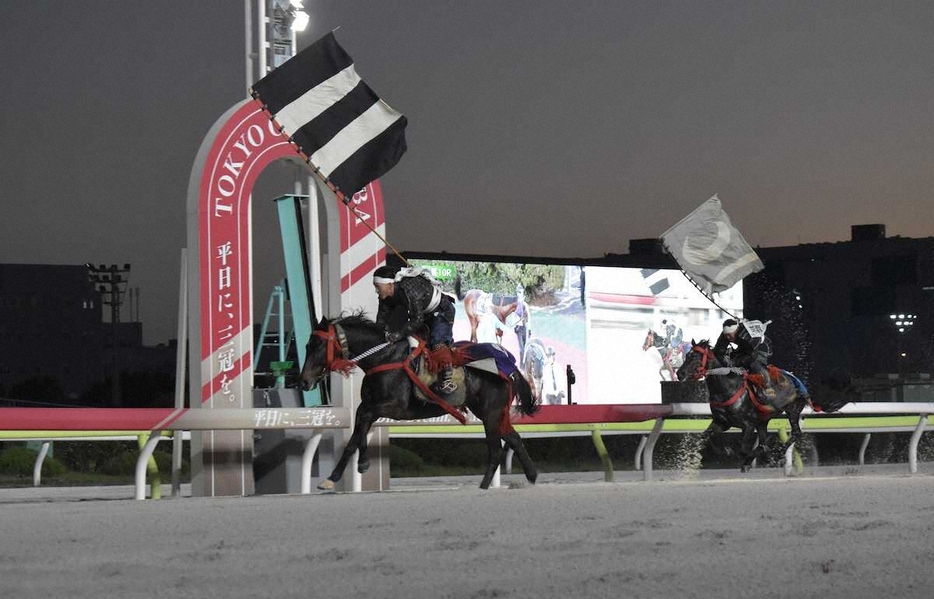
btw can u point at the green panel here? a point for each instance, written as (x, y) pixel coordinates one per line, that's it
(299, 284)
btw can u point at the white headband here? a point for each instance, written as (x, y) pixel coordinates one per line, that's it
(383, 280)
(731, 328)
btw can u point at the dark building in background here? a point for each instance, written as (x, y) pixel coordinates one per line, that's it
(52, 328)
(863, 306)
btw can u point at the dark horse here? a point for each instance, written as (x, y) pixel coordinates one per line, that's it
(390, 393)
(672, 358)
(477, 302)
(735, 402)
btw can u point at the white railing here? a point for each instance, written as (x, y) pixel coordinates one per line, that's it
(53, 421)
(671, 419)
(648, 420)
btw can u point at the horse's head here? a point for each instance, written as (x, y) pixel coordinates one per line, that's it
(333, 343)
(697, 362)
(322, 349)
(653, 339)
(649, 340)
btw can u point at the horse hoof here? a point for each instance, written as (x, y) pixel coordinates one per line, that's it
(363, 466)
(532, 477)
(326, 485)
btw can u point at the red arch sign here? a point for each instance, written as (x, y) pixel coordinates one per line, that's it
(237, 149)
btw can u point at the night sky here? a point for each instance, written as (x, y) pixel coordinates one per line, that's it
(551, 128)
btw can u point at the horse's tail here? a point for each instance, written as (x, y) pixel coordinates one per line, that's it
(458, 288)
(528, 403)
(834, 392)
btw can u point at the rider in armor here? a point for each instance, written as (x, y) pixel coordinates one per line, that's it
(674, 336)
(745, 355)
(522, 328)
(415, 294)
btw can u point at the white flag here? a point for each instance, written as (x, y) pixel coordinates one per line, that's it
(709, 249)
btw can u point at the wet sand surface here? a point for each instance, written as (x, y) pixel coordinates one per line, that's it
(832, 532)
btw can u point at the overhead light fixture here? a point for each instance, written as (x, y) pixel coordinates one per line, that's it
(301, 21)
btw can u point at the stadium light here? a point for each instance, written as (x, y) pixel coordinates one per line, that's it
(111, 281)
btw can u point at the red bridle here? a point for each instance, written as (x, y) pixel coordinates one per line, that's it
(336, 358)
(701, 371)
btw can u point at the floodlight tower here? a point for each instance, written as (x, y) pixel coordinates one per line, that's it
(278, 22)
(111, 281)
(903, 323)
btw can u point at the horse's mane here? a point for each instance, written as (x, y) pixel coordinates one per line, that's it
(356, 319)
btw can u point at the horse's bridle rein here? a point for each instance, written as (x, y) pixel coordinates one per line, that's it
(338, 352)
(337, 360)
(336, 344)
(701, 371)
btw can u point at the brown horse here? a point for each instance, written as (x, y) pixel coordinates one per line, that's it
(477, 303)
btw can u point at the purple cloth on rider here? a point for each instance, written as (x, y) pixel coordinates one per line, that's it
(505, 361)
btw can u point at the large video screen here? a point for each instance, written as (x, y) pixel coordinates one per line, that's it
(615, 332)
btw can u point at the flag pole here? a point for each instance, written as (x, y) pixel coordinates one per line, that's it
(317, 172)
(712, 300)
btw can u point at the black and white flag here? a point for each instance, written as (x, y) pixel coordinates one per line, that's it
(339, 124)
(709, 249)
(656, 279)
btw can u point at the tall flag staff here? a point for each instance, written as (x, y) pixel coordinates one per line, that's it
(712, 254)
(336, 123)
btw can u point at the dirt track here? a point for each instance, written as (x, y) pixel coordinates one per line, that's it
(842, 536)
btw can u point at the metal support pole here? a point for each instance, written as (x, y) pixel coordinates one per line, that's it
(37, 467)
(862, 448)
(248, 26)
(181, 356)
(261, 53)
(650, 448)
(638, 460)
(913, 444)
(604, 455)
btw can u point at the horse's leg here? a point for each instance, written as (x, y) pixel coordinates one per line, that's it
(360, 430)
(494, 448)
(713, 435)
(761, 451)
(514, 441)
(746, 452)
(794, 419)
(363, 460)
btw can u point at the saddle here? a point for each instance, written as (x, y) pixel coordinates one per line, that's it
(479, 356)
(428, 377)
(782, 391)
